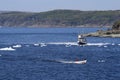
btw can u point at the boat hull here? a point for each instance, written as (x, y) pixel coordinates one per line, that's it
(82, 43)
(75, 62)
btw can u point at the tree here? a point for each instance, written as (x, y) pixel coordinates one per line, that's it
(116, 25)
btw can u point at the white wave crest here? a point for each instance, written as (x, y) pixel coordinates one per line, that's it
(43, 44)
(74, 62)
(17, 46)
(105, 46)
(36, 44)
(7, 49)
(113, 43)
(68, 45)
(101, 61)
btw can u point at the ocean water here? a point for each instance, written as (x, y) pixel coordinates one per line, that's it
(47, 53)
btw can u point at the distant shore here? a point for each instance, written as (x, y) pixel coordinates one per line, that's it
(59, 26)
(59, 18)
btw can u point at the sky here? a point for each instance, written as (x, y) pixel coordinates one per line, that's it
(47, 5)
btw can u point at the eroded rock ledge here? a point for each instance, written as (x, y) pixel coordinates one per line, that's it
(109, 33)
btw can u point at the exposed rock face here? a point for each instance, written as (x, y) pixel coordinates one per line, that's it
(114, 32)
(111, 33)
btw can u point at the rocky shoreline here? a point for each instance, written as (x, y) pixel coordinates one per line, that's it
(110, 33)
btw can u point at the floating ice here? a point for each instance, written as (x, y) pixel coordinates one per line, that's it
(7, 49)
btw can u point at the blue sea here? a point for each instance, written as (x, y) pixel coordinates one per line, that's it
(47, 53)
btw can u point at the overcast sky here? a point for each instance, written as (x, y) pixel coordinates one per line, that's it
(46, 5)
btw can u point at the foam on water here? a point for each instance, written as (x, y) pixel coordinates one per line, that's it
(43, 44)
(113, 43)
(68, 45)
(101, 61)
(63, 43)
(7, 49)
(17, 46)
(36, 44)
(105, 46)
(97, 44)
(75, 43)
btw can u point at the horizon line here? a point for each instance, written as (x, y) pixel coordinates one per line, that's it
(56, 9)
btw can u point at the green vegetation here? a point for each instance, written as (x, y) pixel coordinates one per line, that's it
(61, 18)
(116, 25)
(114, 32)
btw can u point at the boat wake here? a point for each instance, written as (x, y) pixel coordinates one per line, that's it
(7, 49)
(98, 44)
(76, 44)
(67, 62)
(63, 43)
(74, 62)
(66, 44)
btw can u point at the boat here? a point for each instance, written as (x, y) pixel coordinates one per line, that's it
(75, 62)
(80, 62)
(81, 40)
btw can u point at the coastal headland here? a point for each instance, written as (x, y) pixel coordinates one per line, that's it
(113, 32)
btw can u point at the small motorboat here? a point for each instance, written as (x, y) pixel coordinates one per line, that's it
(75, 62)
(81, 40)
(80, 62)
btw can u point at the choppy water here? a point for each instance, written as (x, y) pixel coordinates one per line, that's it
(47, 53)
